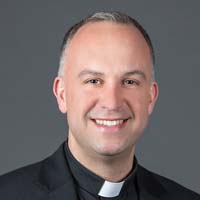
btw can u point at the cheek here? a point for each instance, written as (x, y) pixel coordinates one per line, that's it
(80, 99)
(139, 101)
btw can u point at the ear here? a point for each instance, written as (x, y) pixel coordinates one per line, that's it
(153, 96)
(59, 92)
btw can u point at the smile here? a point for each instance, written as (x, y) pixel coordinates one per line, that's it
(109, 122)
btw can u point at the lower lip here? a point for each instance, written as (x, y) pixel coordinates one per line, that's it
(110, 129)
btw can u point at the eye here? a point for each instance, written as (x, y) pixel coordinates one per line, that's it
(130, 82)
(94, 81)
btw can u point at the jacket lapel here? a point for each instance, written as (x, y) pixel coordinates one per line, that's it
(64, 192)
(55, 177)
(149, 187)
(145, 195)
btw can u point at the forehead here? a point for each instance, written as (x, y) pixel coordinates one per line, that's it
(106, 30)
(100, 43)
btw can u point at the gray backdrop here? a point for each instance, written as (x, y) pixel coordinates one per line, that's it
(31, 125)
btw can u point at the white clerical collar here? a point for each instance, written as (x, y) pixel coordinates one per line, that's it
(110, 189)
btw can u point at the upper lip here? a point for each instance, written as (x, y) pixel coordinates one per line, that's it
(110, 119)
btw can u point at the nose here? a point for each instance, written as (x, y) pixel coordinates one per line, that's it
(111, 98)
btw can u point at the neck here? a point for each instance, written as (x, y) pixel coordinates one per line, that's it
(111, 168)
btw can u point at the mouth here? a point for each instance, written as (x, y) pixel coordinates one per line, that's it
(110, 123)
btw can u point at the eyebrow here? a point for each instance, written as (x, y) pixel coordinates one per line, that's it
(90, 72)
(96, 73)
(136, 72)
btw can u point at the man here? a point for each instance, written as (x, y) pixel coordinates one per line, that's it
(107, 88)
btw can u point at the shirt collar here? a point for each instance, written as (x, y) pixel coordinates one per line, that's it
(94, 184)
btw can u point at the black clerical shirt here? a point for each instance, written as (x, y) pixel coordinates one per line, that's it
(91, 187)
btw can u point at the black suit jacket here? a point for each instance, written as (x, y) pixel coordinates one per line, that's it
(51, 179)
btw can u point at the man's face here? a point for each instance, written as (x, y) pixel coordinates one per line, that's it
(106, 89)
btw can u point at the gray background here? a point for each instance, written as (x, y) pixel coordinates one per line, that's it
(31, 126)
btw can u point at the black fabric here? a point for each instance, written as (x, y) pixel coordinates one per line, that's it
(51, 179)
(89, 184)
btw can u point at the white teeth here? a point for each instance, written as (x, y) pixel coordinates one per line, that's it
(109, 123)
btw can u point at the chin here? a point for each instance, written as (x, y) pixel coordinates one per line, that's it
(109, 150)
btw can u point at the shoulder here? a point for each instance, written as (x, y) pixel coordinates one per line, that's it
(22, 174)
(17, 183)
(37, 180)
(173, 189)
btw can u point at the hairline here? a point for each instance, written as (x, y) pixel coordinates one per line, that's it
(91, 19)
